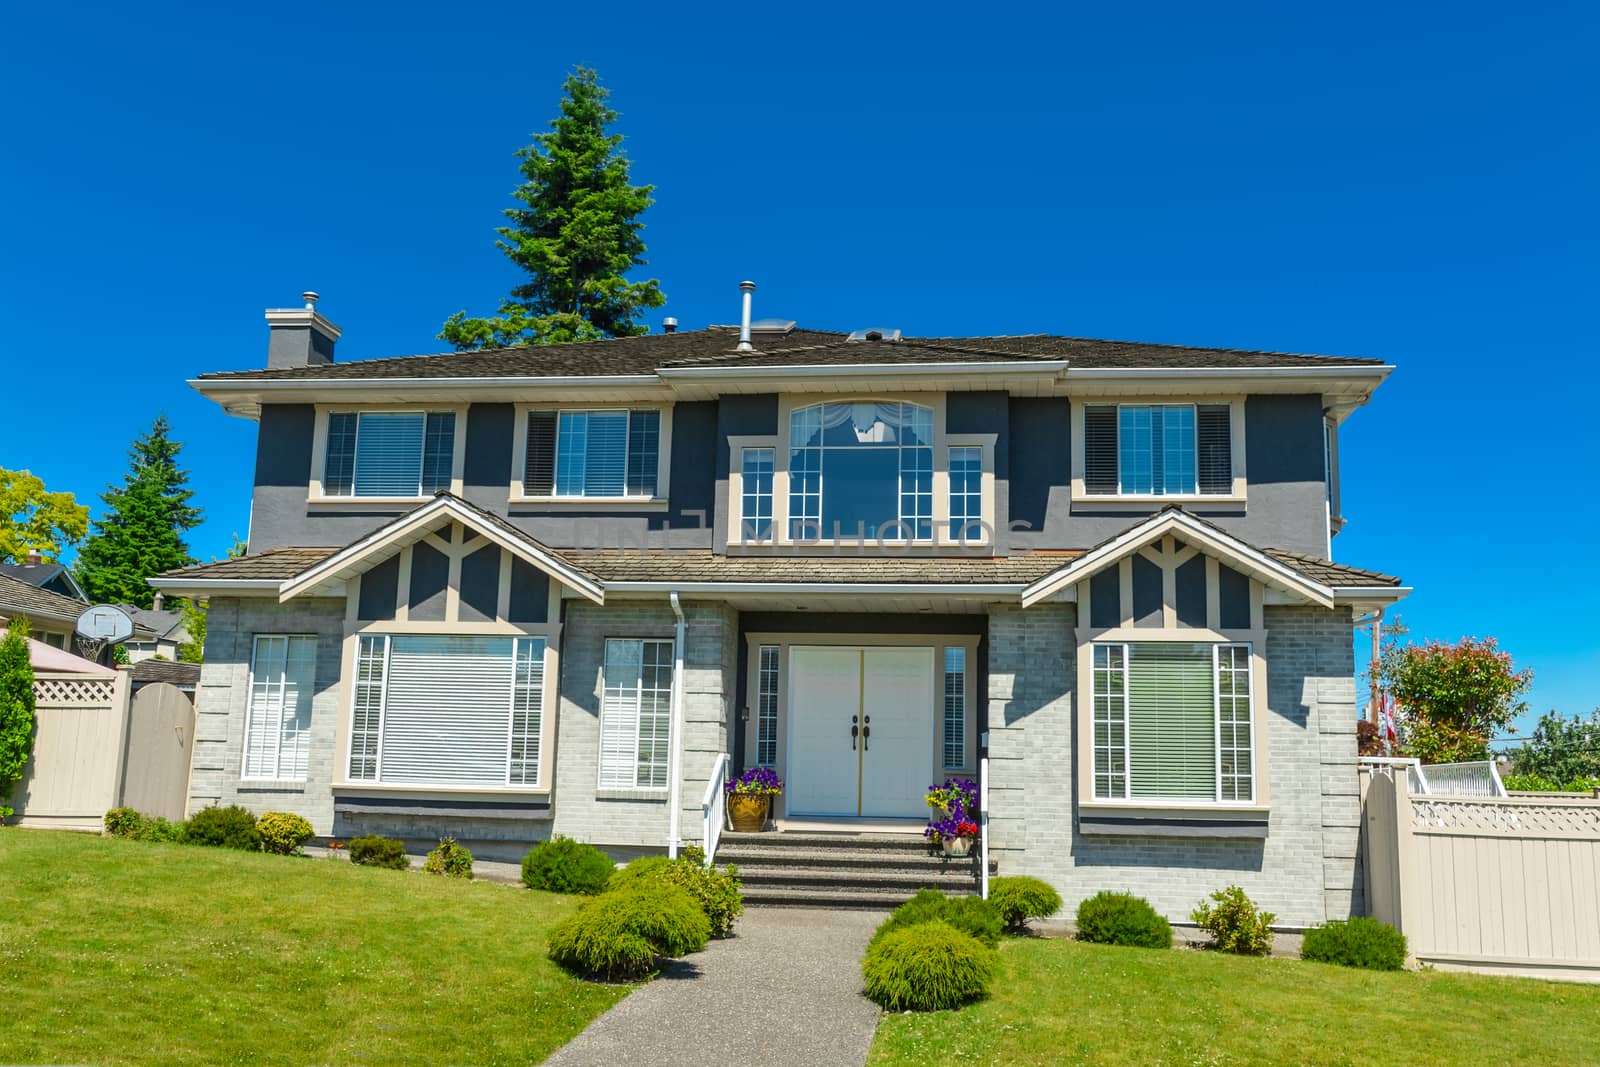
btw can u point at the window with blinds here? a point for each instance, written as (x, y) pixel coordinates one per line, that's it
(389, 453)
(447, 710)
(955, 708)
(612, 453)
(1173, 721)
(767, 707)
(1158, 449)
(277, 728)
(635, 713)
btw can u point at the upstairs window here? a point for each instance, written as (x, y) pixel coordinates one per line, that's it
(861, 470)
(609, 453)
(1158, 449)
(389, 453)
(755, 506)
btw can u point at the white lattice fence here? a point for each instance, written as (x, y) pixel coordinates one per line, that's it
(1576, 818)
(73, 691)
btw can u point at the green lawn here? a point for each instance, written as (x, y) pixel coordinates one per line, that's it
(1060, 1002)
(121, 952)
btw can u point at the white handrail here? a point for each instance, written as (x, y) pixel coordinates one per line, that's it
(712, 807)
(983, 822)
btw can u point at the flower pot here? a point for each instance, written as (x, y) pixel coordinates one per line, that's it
(957, 848)
(748, 812)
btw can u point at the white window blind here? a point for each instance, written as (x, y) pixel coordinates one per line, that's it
(610, 453)
(450, 710)
(278, 717)
(389, 453)
(1173, 721)
(955, 708)
(635, 714)
(767, 707)
(1158, 450)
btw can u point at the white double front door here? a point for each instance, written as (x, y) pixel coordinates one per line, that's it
(860, 731)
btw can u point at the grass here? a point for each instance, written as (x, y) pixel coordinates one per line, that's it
(122, 952)
(1059, 1002)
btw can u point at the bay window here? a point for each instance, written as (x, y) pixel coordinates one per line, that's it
(861, 470)
(1173, 721)
(388, 453)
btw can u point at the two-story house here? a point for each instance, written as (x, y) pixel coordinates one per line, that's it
(509, 593)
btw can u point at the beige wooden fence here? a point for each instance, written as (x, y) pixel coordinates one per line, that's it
(1504, 884)
(75, 773)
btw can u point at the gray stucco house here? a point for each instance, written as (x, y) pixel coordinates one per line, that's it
(517, 592)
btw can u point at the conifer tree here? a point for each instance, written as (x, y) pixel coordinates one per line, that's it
(142, 531)
(16, 709)
(577, 235)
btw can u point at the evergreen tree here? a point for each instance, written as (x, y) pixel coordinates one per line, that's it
(576, 235)
(16, 709)
(145, 519)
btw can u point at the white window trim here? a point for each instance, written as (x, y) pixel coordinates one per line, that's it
(1143, 501)
(779, 443)
(319, 452)
(601, 785)
(519, 461)
(250, 712)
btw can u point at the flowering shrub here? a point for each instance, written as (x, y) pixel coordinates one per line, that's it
(282, 832)
(756, 782)
(1235, 924)
(449, 859)
(958, 800)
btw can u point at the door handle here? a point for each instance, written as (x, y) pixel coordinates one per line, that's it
(853, 731)
(866, 732)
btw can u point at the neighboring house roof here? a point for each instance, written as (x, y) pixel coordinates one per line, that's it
(164, 625)
(183, 675)
(25, 598)
(55, 577)
(714, 347)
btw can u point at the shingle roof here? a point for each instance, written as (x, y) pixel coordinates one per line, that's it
(160, 670)
(714, 347)
(28, 599)
(699, 565)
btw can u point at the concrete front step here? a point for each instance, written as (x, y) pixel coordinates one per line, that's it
(813, 897)
(816, 839)
(841, 870)
(749, 856)
(858, 880)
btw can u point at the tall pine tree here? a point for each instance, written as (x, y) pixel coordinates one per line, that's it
(142, 532)
(577, 235)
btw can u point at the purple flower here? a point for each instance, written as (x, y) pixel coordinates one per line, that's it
(757, 781)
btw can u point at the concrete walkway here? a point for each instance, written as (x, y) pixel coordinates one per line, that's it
(785, 990)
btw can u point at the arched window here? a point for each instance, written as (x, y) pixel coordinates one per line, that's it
(861, 470)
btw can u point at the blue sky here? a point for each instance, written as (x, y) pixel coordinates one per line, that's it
(1415, 182)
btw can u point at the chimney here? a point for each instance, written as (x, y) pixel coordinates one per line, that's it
(34, 559)
(746, 288)
(158, 600)
(300, 337)
(669, 325)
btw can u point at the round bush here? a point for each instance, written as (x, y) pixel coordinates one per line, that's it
(123, 822)
(562, 865)
(973, 916)
(282, 833)
(449, 859)
(375, 851)
(716, 892)
(230, 827)
(1020, 899)
(1109, 918)
(1358, 942)
(927, 967)
(617, 936)
(1234, 922)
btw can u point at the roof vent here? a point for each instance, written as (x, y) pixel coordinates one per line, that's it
(669, 324)
(874, 333)
(772, 327)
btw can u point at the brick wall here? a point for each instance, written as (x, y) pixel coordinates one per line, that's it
(1305, 868)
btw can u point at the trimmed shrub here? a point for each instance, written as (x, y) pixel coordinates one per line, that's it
(375, 851)
(1109, 918)
(973, 916)
(562, 865)
(618, 936)
(1234, 923)
(1358, 942)
(1019, 899)
(927, 967)
(449, 859)
(716, 892)
(282, 832)
(123, 822)
(230, 827)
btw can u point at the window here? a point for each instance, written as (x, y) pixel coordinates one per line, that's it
(278, 716)
(1158, 450)
(57, 640)
(767, 706)
(955, 708)
(966, 493)
(389, 453)
(755, 509)
(1173, 722)
(613, 453)
(447, 710)
(861, 470)
(635, 714)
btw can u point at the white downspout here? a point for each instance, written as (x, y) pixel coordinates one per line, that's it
(675, 716)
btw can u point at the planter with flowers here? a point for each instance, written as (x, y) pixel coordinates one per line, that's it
(953, 825)
(750, 798)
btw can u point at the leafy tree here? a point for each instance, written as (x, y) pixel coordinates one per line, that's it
(16, 709)
(1562, 749)
(577, 235)
(142, 532)
(35, 520)
(194, 620)
(1452, 699)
